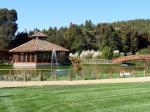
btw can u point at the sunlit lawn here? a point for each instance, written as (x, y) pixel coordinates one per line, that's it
(127, 97)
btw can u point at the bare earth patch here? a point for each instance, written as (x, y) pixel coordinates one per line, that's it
(75, 82)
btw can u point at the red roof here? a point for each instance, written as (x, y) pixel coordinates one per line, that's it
(38, 34)
(38, 45)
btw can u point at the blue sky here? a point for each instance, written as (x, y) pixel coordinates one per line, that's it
(45, 13)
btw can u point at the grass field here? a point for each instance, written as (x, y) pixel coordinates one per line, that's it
(127, 97)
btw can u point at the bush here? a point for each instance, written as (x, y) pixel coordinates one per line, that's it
(116, 54)
(107, 53)
(144, 51)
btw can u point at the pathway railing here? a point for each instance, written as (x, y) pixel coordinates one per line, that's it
(96, 61)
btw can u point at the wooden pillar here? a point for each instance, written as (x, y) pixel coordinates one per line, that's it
(2, 56)
(64, 56)
(18, 57)
(61, 57)
(41, 57)
(30, 57)
(21, 57)
(15, 57)
(26, 56)
(46, 57)
(58, 56)
(35, 57)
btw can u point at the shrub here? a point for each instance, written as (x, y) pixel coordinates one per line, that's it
(107, 53)
(144, 51)
(116, 54)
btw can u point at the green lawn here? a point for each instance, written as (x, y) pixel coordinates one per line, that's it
(127, 97)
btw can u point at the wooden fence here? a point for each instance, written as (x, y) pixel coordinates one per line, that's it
(87, 73)
(96, 61)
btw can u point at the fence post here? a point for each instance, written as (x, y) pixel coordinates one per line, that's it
(97, 76)
(133, 71)
(41, 76)
(69, 75)
(83, 76)
(76, 76)
(144, 72)
(145, 69)
(110, 73)
(9, 75)
(24, 75)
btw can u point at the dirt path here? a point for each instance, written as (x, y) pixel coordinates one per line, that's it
(76, 82)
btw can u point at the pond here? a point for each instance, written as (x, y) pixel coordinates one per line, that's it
(88, 72)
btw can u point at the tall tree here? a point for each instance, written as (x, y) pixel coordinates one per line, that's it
(20, 38)
(89, 26)
(74, 38)
(8, 26)
(106, 35)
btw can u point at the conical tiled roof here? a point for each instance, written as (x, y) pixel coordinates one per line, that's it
(38, 34)
(38, 45)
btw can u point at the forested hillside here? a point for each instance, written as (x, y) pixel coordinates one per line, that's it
(141, 25)
(125, 36)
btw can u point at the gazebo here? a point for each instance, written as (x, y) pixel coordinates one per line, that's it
(37, 52)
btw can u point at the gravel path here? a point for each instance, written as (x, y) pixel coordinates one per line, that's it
(76, 82)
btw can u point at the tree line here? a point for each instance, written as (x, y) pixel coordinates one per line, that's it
(126, 36)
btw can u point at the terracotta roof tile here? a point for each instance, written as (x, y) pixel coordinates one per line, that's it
(38, 34)
(38, 45)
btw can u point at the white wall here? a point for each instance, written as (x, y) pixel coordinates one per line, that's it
(26, 65)
(30, 64)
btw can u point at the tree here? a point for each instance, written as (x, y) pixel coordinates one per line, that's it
(21, 38)
(88, 26)
(106, 35)
(51, 33)
(8, 26)
(79, 43)
(72, 36)
(60, 40)
(107, 53)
